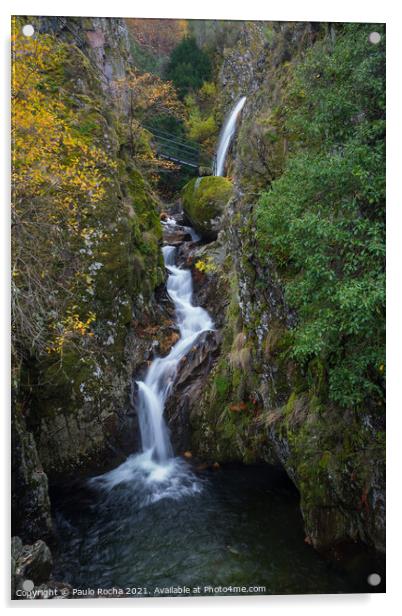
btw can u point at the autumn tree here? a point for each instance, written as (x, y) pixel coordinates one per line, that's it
(159, 36)
(146, 97)
(58, 178)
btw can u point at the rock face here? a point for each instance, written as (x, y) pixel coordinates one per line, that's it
(31, 517)
(191, 376)
(72, 411)
(204, 201)
(257, 404)
(32, 562)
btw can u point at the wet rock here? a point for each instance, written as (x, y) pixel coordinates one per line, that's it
(190, 380)
(204, 171)
(31, 516)
(175, 235)
(31, 568)
(53, 590)
(16, 550)
(34, 562)
(210, 285)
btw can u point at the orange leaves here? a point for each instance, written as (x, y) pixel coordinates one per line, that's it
(159, 36)
(149, 94)
(139, 96)
(236, 408)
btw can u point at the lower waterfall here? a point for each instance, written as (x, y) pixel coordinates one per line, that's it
(156, 522)
(164, 474)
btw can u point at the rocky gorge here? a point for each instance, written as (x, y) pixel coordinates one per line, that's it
(238, 395)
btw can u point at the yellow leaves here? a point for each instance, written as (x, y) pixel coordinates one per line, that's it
(87, 232)
(206, 267)
(48, 153)
(201, 266)
(60, 178)
(72, 325)
(149, 93)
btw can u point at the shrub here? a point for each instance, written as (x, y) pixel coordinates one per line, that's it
(323, 219)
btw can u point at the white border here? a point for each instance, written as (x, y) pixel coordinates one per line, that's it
(296, 10)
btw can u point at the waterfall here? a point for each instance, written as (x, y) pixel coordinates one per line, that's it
(154, 390)
(226, 136)
(155, 470)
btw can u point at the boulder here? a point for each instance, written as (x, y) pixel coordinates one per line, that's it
(192, 373)
(204, 201)
(34, 562)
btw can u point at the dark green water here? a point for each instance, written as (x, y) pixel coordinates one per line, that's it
(241, 527)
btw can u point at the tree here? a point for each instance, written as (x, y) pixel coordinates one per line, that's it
(189, 67)
(147, 97)
(59, 178)
(323, 220)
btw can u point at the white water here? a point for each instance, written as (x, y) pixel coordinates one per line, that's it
(226, 136)
(154, 390)
(159, 473)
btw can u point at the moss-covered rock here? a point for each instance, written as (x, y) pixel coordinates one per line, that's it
(77, 390)
(204, 201)
(258, 403)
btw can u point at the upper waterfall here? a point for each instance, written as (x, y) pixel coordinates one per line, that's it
(226, 136)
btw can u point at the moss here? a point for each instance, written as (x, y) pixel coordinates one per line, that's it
(143, 202)
(223, 425)
(222, 386)
(124, 245)
(290, 405)
(274, 339)
(204, 199)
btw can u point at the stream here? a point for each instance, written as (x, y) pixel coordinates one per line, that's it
(157, 526)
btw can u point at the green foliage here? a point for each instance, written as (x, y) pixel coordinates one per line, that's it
(222, 386)
(201, 129)
(201, 125)
(168, 123)
(189, 67)
(145, 59)
(323, 219)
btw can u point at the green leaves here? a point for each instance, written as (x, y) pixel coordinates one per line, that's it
(323, 219)
(189, 67)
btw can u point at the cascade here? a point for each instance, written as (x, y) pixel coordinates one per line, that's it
(156, 469)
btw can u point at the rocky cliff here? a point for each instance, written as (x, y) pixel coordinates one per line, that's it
(72, 411)
(240, 394)
(257, 402)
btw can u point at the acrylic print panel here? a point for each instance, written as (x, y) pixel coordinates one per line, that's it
(198, 307)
